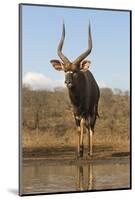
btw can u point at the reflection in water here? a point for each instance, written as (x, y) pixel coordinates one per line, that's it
(90, 177)
(43, 177)
(81, 179)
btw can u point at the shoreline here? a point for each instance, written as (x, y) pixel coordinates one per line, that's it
(70, 157)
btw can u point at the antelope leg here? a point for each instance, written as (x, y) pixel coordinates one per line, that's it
(78, 140)
(88, 142)
(91, 142)
(81, 138)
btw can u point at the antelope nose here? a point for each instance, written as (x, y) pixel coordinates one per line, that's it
(69, 85)
(67, 82)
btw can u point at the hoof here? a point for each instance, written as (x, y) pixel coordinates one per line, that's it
(78, 156)
(81, 151)
(90, 154)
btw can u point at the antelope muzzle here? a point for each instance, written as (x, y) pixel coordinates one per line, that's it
(69, 79)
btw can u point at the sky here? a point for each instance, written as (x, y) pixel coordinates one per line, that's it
(41, 33)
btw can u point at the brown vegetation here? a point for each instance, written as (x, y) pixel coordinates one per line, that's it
(48, 122)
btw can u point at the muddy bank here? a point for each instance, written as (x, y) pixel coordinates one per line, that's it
(80, 161)
(69, 155)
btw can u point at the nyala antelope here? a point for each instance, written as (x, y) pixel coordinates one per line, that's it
(83, 91)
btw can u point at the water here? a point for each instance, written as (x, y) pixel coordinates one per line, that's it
(44, 177)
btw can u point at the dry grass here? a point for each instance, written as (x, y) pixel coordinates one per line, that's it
(34, 139)
(48, 121)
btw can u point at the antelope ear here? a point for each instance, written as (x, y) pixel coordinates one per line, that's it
(85, 65)
(57, 64)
